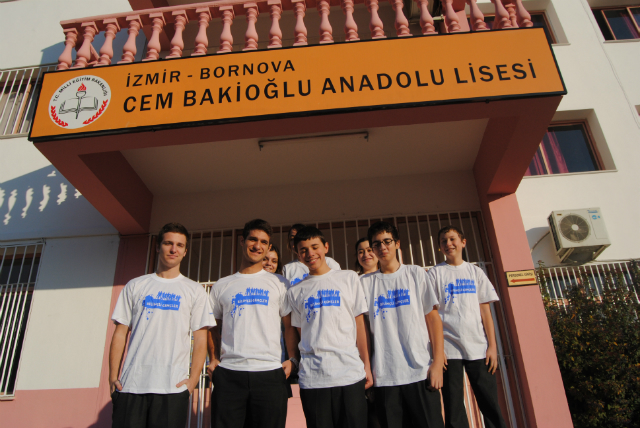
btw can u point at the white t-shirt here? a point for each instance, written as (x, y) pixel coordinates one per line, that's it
(461, 289)
(325, 307)
(397, 304)
(296, 271)
(160, 312)
(250, 307)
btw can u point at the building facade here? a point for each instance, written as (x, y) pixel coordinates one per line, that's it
(79, 207)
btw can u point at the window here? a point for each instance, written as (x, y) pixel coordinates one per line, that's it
(619, 23)
(538, 19)
(565, 148)
(18, 271)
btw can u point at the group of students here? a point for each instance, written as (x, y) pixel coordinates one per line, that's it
(408, 333)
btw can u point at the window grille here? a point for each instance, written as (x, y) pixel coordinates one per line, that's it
(214, 254)
(18, 98)
(18, 272)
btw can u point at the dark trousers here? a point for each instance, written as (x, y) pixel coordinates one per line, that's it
(259, 398)
(150, 410)
(336, 407)
(484, 387)
(411, 405)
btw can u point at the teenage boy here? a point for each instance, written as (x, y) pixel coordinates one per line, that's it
(296, 271)
(403, 316)
(469, 336)
(159, 309)
(327, 309)
(249, 379)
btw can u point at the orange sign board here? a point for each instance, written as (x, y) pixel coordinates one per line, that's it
(521, 277)
(296, 81)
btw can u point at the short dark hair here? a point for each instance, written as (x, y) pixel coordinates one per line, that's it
(297, 227)
(256, 224)
(275, 249)
(381, 227)
(450, 228)
(306, 233)
(174, 228)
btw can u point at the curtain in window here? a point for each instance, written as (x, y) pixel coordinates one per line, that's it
(549, 158)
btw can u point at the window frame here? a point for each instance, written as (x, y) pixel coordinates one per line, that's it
(591, 145)
(601, 10)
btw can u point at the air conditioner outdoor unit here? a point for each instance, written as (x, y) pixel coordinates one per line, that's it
(579, 235)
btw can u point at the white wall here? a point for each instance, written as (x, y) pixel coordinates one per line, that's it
(36, 201)
(310, 202)
(30, 29)
(67, 327)
(601, 80)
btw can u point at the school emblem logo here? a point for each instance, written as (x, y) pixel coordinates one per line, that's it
(79, 102)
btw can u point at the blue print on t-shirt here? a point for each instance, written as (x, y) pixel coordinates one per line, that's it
(297, 280)
(462, 286)
(322, 298)
(393, 299)
(164, 301)
(252, 296)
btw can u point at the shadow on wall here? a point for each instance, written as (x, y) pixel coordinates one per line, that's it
(51, 54)
(44, 204)
(544, 250)
(104, 417)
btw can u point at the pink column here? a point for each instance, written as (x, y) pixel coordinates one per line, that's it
(251, 36)
(177, 44)
(523, 17)
(502, 16)
(401, 24)
(129, 50)
(426, 20)
(226, 39)
(326, 32)
(300, 31)
(106, 51)
(540, 380)
(153, 47)
(202, 42)
(450, 17)
(66, 59)
(84, 53)
(476, 17)
(375, 24)
(350, 26)
(275, 33)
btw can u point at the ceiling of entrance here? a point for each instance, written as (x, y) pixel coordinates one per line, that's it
(389, 151)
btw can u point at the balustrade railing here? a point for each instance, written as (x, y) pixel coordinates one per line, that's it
(169, 23)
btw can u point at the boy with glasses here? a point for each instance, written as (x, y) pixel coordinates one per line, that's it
(407, 337)
(469, 336)
(327, 309)
(249, 380)
(296, 271)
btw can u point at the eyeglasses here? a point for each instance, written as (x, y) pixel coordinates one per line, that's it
(387, 242)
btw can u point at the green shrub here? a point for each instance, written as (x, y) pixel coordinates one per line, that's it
(597, 341)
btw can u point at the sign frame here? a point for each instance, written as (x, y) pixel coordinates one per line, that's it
(293, 114)
(527, 273)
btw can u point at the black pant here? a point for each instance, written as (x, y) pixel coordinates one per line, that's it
(484, 387)
(336, 407)
(260, 397)
(411, 405)
(150, 410)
